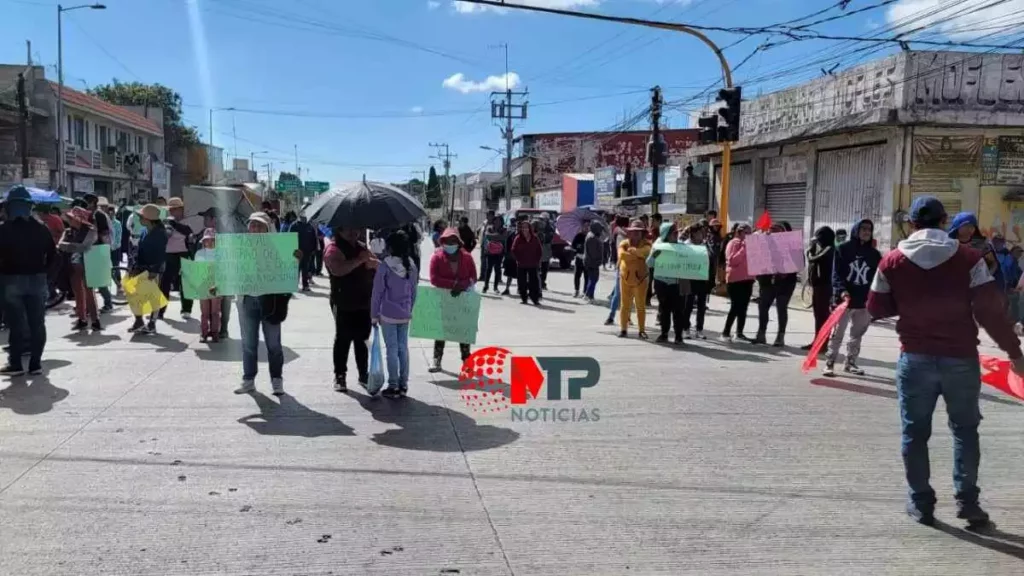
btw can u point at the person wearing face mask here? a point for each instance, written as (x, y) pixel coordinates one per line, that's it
(27, 251)
(352, 267)
(739, 283)
(451, 268)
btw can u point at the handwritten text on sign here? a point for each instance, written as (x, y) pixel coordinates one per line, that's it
(776, 253)
(196, 279)
(682, 261)
(256, 264)
(437, 315)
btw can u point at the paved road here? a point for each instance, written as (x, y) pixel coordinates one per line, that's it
(132, 456)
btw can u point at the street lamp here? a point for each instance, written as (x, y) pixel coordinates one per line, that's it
(60, 83)
(252, 159)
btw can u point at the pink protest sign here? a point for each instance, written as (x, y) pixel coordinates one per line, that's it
(777, 253)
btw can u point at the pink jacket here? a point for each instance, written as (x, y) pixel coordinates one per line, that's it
(441, 274)
(736, 262)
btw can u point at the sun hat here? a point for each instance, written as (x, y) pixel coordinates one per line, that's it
(150, 212)
(19, 194)
(209, 234)
(102, 202)
(262, 218)
(637, 225)
(175, 203)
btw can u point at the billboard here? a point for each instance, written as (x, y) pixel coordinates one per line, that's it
(604, 186)
(557, 154)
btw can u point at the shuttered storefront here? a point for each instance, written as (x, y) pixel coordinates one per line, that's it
(741, 191)
(849, 186)
(786, 202)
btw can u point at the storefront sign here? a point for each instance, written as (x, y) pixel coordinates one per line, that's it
(989, 161)
(548, 200)
(604, 186)
(941, 162)
(1011, 161)
(785, 170)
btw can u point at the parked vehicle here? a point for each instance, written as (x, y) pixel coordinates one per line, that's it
(560, 249)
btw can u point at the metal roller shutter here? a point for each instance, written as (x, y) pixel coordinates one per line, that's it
(786, 202)
(849, 186)
(741, 191)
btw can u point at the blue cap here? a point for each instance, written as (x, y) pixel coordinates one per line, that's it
(927, 209)
(19, 194)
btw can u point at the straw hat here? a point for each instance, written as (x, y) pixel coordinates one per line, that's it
(262, 218)
(150, 212)
(102, 202)
(175, 203)
(637, 226)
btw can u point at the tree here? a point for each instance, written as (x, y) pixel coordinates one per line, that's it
(434, 199)
(176, 133)
(286, 176)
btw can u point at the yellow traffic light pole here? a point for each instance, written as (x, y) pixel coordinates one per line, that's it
(723, 208)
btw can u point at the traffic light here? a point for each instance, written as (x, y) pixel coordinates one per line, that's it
(708, 129)
(732, 97)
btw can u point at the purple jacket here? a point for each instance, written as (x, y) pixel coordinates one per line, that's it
(394, 291)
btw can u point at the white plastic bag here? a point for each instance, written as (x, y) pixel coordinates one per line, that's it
(376, 380)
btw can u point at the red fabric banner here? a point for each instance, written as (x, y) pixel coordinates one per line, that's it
(823, 335)
(764, 222)
(996, 373)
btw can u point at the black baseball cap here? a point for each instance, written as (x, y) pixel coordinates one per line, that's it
(210, 212)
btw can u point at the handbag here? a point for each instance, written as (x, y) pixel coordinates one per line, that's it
(376, 377)
(495, 248)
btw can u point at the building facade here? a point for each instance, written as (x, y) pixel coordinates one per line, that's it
(865, 142)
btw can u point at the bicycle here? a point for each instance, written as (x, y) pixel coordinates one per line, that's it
(806, 294)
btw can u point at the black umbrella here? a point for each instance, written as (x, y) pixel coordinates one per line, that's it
(371, 205)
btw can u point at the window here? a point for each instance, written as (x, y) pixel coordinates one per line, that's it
(69, 123)
(140, 145)
(88, 140)
(79, 138)
(122, 141)
(103, 139)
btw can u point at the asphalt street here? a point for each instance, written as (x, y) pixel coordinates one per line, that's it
(132, 456)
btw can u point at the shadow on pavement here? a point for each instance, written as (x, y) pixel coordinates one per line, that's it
(292, 418)
(86, 339)
(554, 309)
(851, 387)
(989, 537)
(232, 352)
(187, 326)
(862, 362)
(429, 428)
(890, 382)
(31, 395)
(163, 342)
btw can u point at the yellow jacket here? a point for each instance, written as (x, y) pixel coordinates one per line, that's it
(633, 262)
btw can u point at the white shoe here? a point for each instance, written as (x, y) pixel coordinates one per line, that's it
(186, 315)
(700, 335)
(278, 386)
(247, 387)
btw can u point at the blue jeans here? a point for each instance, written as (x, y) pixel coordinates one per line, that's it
(920, 380)
(250, 318)
(613, 305)
(592, 274)
(25, 304)
(396, 344)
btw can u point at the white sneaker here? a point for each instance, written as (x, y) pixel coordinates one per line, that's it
(247, 387)
(700, 335)
(186, 315)
(278, 386)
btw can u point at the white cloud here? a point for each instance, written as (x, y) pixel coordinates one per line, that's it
(462, 84)
(957, 20)
(469, 8)
(416, 110)
(433, 4)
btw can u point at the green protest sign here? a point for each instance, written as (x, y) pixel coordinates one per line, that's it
(196, 279)
(97, 266)
(438, 315)
(256, 264)
(681, 261)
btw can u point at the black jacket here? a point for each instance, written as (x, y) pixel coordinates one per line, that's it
(26, 247)
(821, 258)
(855, 266)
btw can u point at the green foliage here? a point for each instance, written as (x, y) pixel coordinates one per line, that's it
(176, 133)
(286, 176)
(433, 199)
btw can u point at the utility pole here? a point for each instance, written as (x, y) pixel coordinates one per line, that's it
(446, 160)
(23, 126)
(655, 151)
(505, 109)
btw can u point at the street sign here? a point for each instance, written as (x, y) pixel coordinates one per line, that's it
(314, 187)
(288, 186)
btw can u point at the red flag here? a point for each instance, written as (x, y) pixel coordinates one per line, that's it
(764, 222)
(997, 374)
(823, 335)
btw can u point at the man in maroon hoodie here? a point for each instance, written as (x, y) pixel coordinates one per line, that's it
(941, 290)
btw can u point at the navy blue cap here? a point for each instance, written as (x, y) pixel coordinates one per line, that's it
(927, 209)
(18, 194)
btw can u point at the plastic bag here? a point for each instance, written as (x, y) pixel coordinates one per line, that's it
(376, 380)
(144, 295)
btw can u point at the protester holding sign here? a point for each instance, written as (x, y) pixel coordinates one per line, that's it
(266, 311)
(855, 265)
(352, 267)
(671, 291)
(76, 241)
(775, 289)
(209, 306)
(150, 258)
(739, 283)
(452, 268)
(699, 289)
(391, 304)
(633, 273)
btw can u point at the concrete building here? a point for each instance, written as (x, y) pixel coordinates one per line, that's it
(107, 149)
(473, 196)
(864, 142)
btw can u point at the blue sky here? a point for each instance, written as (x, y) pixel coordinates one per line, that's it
(360, 85)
